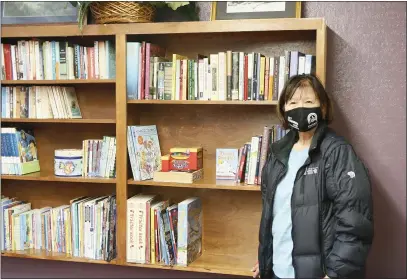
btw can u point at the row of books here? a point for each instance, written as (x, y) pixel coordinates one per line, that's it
(39, 102)
(161, 232)
(86, 227)
(99, 157)
(153, 73)
(252, 156)
(144, 151)
(52, 60)
(18, 151)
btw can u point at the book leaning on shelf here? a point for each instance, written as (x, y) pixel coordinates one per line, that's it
(86, 227)
(55, 60)
(18, 152)
(41, 102)
(153, 73)
(144, 151)
(159, 232)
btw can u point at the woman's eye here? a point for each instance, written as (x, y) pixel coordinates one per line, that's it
(309, 102)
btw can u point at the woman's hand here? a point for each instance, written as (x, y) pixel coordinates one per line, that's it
(256, 270)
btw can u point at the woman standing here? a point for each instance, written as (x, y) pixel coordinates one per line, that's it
(317, 208)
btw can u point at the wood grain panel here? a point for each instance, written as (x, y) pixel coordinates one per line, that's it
(209, 126)
(97, 100)
(267, 43)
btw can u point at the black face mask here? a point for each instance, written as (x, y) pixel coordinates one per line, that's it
(303, 119)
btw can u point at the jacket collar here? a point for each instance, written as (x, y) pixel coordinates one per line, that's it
(282, 148)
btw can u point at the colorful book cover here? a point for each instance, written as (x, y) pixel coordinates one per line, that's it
(147, 148)
(189, 231)
(226, 163)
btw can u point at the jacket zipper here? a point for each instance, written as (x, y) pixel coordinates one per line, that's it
(321, 235)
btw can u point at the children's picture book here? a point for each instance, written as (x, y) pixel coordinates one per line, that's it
(189, 231)
(226, 163)
(147, 151)
(27, 146)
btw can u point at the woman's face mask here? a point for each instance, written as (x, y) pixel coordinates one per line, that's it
(303, 111)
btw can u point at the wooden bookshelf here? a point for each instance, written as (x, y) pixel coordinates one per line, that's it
(39, 176)
(46, 255)
(72, 121)
(57, 81)
(230, 242)
(195, 102)
(200, 184)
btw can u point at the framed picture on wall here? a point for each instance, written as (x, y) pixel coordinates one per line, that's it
(14, 12)
(250, 10)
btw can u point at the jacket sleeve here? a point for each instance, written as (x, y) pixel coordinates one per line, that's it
(353, 209)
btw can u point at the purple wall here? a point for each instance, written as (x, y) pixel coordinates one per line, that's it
(366, 75)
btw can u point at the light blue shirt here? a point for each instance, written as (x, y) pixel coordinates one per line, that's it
(282, 241)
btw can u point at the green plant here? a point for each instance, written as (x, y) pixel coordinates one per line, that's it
(83, 8)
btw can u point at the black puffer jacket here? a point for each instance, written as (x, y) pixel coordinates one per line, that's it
(331, 204)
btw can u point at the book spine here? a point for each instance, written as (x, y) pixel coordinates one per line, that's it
(229, 75)
(143, 71)
(222, 74)
(255, 77)
(271, 78)
(246, 78)
(147, 72)
(276, 78)
(214, 77)
(250, 76)
(160, 81)
(293, 63)
(206, 75)
(281, 76)
(201, 79)
(261, 83)
(7, 61)
(235, 76)
(287, 68)
(266, 78)
(13, 62)
(96, 48)
(241, 75)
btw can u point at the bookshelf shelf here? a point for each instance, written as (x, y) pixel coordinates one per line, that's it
(200, 184)
(38, 176)
(57, 82)
(193, 102)
(72, 121)
(220, 26)
(210, 263)
(230, 218)
(46, 255)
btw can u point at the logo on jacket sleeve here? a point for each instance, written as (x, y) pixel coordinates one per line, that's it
(311, 170)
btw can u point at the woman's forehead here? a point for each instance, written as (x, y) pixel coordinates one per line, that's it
(304, 92)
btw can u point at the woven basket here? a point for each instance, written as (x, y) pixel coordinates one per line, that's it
(122, 12)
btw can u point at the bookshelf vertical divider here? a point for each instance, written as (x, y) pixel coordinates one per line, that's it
(321, 45)
(121, 147)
